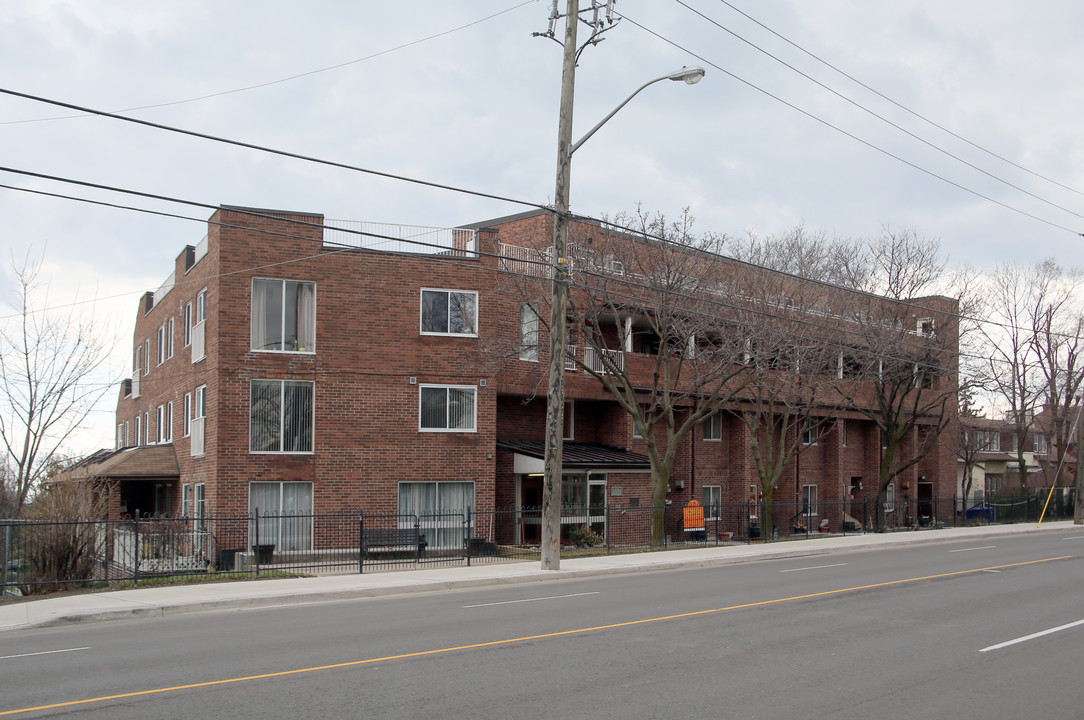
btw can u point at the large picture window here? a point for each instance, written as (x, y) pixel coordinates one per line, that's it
(528, 333)
(439, 508)
(448, 408)
(284, 515)
(281, 416)
(449, 312)
(283, 316)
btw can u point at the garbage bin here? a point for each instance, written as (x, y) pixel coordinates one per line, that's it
(263, 553)
(475, 546)
(227, 559)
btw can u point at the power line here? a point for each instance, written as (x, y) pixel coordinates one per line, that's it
(840, 130)
(289, 78)
(877, 115)
(894, 102)
(272, 151)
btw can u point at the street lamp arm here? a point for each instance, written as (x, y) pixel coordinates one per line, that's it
(690, 75)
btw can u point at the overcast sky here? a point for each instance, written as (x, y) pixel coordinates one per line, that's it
(460, 93)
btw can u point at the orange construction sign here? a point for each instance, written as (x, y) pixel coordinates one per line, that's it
(694, 517)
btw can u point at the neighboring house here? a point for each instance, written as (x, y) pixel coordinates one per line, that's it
(283, 366)
(993, 458)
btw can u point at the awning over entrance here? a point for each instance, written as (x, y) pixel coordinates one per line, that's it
(134, 463)
(529, 456)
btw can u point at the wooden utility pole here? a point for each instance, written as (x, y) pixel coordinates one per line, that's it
(555, 398)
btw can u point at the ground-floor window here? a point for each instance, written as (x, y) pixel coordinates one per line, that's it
(809, 499)
(712, 501)
(284, 515)
(439, 509)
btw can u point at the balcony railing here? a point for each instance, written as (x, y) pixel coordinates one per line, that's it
(199, 341)
(570, 357)
(414, 239)
(198, 439)
(595, 359)
(164, 288)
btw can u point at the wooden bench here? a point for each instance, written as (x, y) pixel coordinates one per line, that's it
(393, 540)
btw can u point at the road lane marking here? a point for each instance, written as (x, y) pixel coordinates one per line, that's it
(1041, 633)
(815, 567)
(43, 652)
(1074, 537)
(981, 547)
(525, 600)
(518, 640)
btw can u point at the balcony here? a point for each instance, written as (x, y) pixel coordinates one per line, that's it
(595, 359)
(414, 239)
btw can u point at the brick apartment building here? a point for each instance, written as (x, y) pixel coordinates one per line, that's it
(295, 367)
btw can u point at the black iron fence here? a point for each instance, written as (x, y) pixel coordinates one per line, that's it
(44, 556)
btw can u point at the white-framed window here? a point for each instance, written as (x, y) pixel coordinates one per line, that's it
(713, 427)
(1040, 443)
(120, 436)
(138, 361)
(281, 416)
(528, 333)
(809, 499)
(439, 508)
(164, 419)
(810, 432)
(147, 428)
(201, 306)
(925, 326)
(447, 408)
(147, 355)
(449, 312)
(637, 431)
(138, 430)
(890, 497)
(161, 344)
(199, 504)
(283, 315)
(199, 327)
(712, 501)
(186, 421)
(199, 421)
(169, 338)
(569, 420)
(187, 324)
(284, 514)
(186, 500)
(986, 440)
(127, 437)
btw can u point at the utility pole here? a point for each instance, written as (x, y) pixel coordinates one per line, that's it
(555, 397)
(1078, 503)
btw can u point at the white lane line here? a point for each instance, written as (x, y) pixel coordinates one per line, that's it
(1043, 633)
(981, 547)
(1074, 537)
(44, 652)
(816, 567)
(550, 597)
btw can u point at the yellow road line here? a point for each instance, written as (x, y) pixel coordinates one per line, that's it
(509, 641)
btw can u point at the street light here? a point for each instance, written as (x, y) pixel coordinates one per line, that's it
(555, 398)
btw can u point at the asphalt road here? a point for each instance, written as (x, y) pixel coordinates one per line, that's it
(896, 633)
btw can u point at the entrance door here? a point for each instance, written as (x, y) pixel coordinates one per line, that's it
(596, 502)
(925, 502)
(530, 506)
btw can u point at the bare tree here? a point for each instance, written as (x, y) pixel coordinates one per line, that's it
(902, 369)
(1057, 325)
(50, 366)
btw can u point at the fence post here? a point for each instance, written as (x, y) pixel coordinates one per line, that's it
(256, 539)
(136, 552)
(361, 541)
(7, 557)
(417, 534)
(466, 535)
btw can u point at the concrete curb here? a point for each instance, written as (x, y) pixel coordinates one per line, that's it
(166, 602)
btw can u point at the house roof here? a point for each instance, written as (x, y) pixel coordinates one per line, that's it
(581, 455)
(150, 461)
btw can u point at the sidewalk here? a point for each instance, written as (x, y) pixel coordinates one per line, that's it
(163, 601)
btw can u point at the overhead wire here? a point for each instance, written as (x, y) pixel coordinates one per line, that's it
(880, 117)
(296, 76)
(898, 104)
(847, 133)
